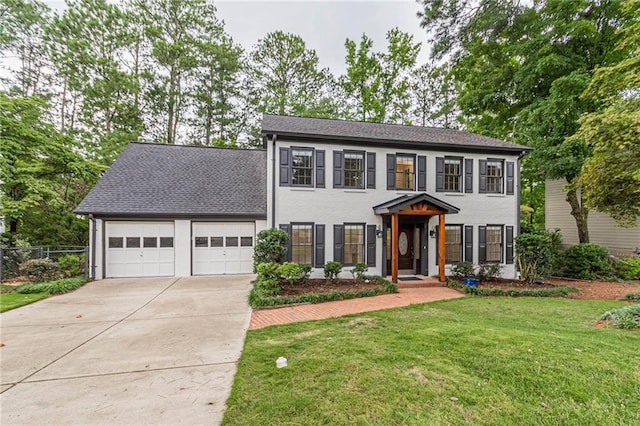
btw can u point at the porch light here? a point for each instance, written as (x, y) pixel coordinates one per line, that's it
(432, 232)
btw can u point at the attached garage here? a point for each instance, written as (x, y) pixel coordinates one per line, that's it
(222, 248)
(175, 210)
(139, 249)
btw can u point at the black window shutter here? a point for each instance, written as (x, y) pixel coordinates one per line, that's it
(285, 167)
(468, 175)
(287, 228)
(483, 176)
(468, 244)
(338, 171)
(338, 243)
(371, 245)
(391, 171)
(371, 170)
(510, 177)
(422, 173)
(509, 244)
(320, 164)
(439, 174)
(482, 244)
(319, 238)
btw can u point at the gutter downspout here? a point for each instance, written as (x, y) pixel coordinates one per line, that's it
(92, 243)
(273, 181)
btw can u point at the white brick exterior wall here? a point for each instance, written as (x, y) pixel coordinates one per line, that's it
(331, 206)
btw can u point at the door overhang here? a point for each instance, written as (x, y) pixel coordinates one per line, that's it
(416, 205)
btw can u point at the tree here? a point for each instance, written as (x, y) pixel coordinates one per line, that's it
(173, 32)
(43, 178)
(522, 69)
(88, 42)
(611, 177)
(287, 78)
(21, 36)
(217, 93)
(433, 96)
(376, 85)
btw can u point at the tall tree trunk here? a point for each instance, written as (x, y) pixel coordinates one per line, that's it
(580, 213)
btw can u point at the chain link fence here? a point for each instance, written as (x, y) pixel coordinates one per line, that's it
(12, 257)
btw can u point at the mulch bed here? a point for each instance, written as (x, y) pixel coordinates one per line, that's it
(320, 285)
(601, 290)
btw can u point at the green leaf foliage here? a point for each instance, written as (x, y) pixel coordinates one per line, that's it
(584, 261)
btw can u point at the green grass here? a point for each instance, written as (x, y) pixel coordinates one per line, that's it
(506, 360)
(10, 301)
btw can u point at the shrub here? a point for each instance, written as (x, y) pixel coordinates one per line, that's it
(627, 317)
(463, 269)
(267, 270)
(332, 270)
(293, 273)
(270, 247)
(64, 285)
(560, 291)
(585, 261)
(535, 253)
(633, 297)
(489, 271)
(359, 271)
(629, 268)
(39, 270)
(70, 264)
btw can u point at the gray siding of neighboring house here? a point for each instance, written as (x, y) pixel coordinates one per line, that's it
(602, 229)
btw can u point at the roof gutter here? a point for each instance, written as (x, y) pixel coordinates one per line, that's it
(273, 181)
(94, 231)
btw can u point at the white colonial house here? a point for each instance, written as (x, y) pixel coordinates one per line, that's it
(404, 200)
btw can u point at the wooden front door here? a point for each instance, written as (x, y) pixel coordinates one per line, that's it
(405, 247)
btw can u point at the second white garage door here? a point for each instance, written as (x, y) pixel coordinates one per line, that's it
(222, 247)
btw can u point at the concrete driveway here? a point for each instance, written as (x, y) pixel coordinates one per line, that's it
(125, 351)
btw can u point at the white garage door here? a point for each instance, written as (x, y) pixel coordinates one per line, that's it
(222, 247)
(140, 249)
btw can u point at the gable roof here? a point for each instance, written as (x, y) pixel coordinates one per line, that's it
(406, 200)
(176, 180)
(382, 134)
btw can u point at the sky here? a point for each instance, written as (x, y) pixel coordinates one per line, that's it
(323, 25)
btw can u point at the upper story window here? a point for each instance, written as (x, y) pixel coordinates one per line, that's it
(354, 170)
(302, 167)
(453, 174)
(494, 176)
(405, 172)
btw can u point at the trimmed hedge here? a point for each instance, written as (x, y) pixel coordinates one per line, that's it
(560, 291)
(259, 299)
(64, 285)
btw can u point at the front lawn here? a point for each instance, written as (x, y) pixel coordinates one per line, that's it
(10, 301)
(471, 360)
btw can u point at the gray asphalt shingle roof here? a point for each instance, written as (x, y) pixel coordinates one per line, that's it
(166, 180)
(382, 134)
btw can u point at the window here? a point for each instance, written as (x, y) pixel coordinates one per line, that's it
(302, 167)
(231, 242)
(246, 241)
(202, 242)
(354, 170)
(115, 242)
(494, 244)
(166, 242)
(353, 244)
(453, 174)
(494, 176)
(302, 243)
(149, 242)
(453, 244)
(405, 172)
(217, 241)
(133, 242)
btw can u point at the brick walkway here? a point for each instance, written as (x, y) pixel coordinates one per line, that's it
(406, 296)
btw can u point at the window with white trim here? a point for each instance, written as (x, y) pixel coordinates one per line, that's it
(354, 170)
(453, 174)
(494, 176)
(301, 167)
(405, 172)
(453, 244)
